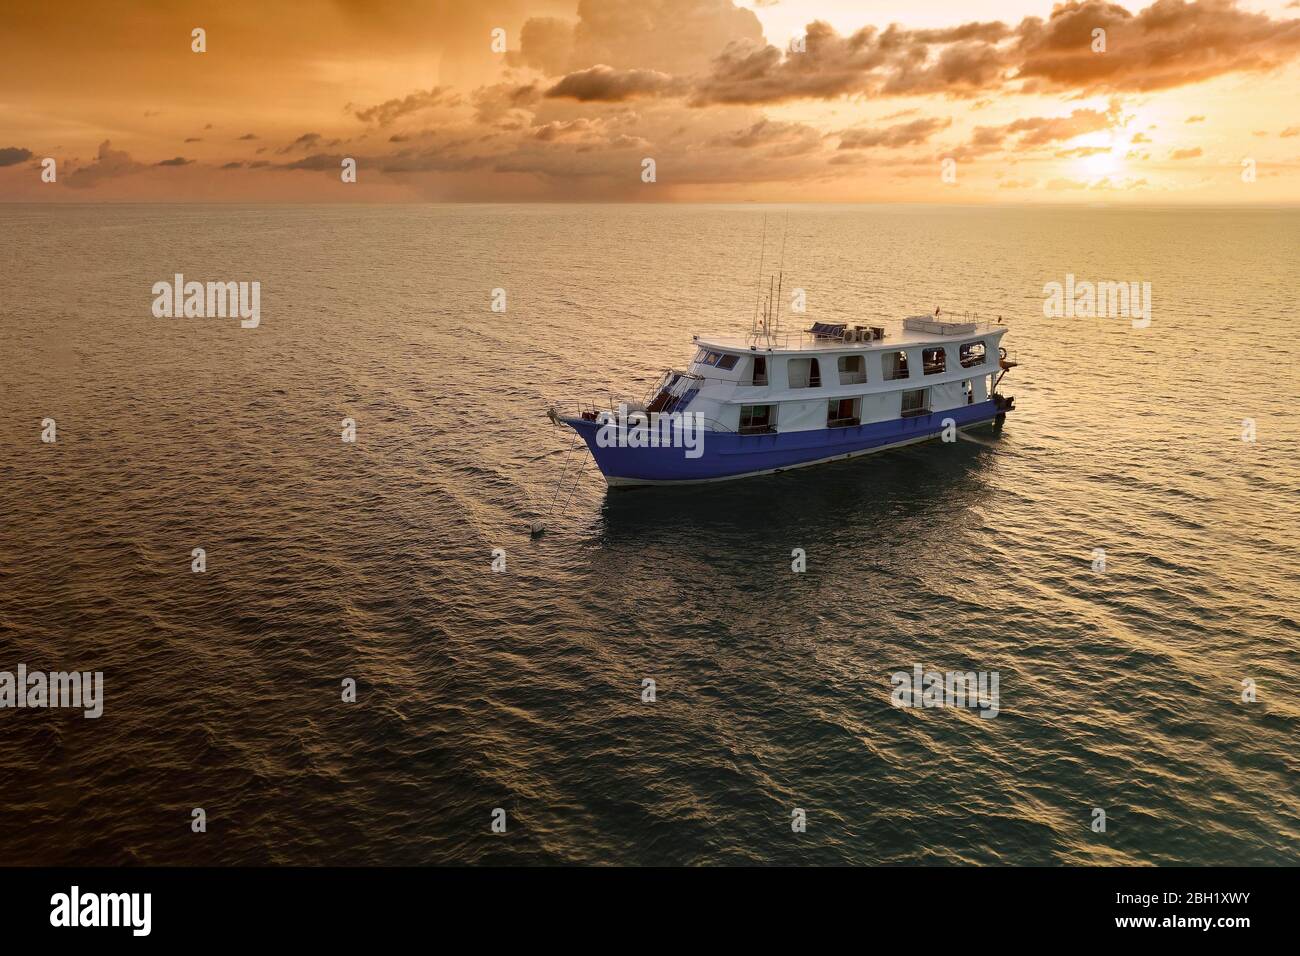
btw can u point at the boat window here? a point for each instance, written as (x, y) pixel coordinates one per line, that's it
(804, 373)
(853, 369)
(934, 360)
(916, 401)
(843, 412)
(895, 365)
(699, 356)
(728, 362)
(972, 353)
(760, 370)
(756, 419)
(712, 358)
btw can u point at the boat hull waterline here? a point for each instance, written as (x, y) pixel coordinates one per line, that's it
(728, 455)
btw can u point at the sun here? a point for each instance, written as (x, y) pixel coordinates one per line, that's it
(1105, 163)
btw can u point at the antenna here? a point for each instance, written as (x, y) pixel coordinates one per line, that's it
(759, 283)
(784, 235)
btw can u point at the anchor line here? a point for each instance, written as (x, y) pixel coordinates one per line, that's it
(564, 470)
(577, 475)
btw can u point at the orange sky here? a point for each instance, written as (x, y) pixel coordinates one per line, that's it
(882, 94)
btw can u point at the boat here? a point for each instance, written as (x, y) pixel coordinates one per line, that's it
(769, 401)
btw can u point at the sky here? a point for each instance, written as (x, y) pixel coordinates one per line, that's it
(1008, 101)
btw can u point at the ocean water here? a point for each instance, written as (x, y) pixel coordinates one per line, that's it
(1119, 689)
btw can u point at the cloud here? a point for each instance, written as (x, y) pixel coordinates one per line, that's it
(545, 44)
(1037, 131)
(175, 161)
(1196, 119)
(669, 36)
(305, 141)
(1290, 130)
(1170, 43)
(1040, 131)
(108, 164)
(234, 165)
(1191, 153)
(505, 105)
(893, 137)
(248, 136)
(608, 85)
(316, 161)
(385, 113)
(779, 138)
(564, 129)
(13, 155)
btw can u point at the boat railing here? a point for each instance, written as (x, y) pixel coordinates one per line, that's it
(801, 339)
(591, 411)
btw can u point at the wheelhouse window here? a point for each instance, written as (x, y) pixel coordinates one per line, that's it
(895, 365)
(853, 369)
(760, 370)
(804, 373)
(843, 413)
(722, 360)
(934, 360)
(972, 354)
(916, 401)
(757, 419)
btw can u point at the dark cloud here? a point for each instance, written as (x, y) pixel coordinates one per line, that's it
(893, 137)
(175, 161)
(248, 136)
(13, 155)
(1170, 43)
(108, 164)
(316, 161)
(382, 114)
(305, 141)
(608, 85)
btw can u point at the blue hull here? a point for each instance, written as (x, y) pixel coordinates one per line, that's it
(728, 455)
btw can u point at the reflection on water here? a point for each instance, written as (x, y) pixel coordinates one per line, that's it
(522, 690)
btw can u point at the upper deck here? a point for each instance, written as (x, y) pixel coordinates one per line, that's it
(910, 332)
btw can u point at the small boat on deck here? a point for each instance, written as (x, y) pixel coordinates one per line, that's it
(769, 401)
